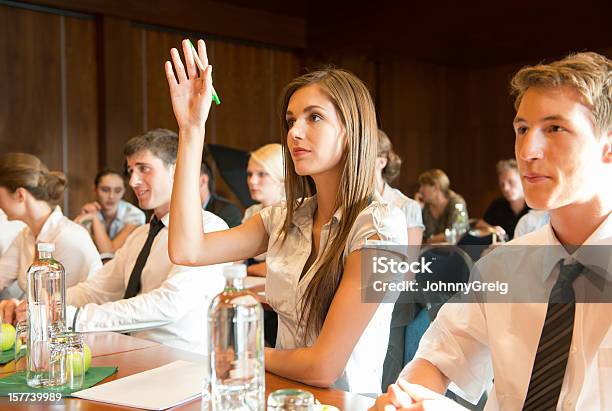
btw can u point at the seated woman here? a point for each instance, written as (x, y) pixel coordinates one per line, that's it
(326, 335)
(440, 209)
(266, 181)
(504, 212)
(109, 219)
(388, 165)
(29, 193)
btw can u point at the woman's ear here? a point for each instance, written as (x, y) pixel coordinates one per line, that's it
(20, 195)
(381, 163)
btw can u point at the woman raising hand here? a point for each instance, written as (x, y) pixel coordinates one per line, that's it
(326, 335)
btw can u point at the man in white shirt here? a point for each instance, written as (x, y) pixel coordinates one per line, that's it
(140, 291)
(563, 146)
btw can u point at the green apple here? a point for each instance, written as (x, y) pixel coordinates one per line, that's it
(77, 368)
(8, 337)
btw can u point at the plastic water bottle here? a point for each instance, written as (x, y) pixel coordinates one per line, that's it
(46, 315)
(236, 341)
(461, 223)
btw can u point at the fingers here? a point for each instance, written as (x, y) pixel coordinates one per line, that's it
(178, 65)
(399, 397)
(8, 310)
(20, 312)
(202, 52)
(417, 392)
(188, 52)
(382, 404)
(170, 75)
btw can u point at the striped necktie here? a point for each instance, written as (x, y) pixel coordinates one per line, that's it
(553, 349)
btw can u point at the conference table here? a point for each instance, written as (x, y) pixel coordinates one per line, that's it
(133, 355)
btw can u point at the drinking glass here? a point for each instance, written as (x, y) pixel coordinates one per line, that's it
(290, 400)
(20, 347)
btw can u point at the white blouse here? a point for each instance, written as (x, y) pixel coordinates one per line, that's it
(74, 248)
(284, 288)
(410, 208)
(8, 231)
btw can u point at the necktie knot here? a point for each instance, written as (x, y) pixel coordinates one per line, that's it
(568, 273)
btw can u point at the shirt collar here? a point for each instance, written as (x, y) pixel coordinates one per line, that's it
(305, 213)
(592, 253)
(165, 219)
(50, 225)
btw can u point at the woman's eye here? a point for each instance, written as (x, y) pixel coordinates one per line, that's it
(290, 122)
(316, 117)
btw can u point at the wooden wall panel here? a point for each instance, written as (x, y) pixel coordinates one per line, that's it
(412, 103)
(120, 87)
(30, 93)
(82, 110)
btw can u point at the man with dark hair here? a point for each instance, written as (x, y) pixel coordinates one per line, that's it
(141, 290)
(213, 202)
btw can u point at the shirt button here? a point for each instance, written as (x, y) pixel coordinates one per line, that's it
(574, 350)
(568, 404)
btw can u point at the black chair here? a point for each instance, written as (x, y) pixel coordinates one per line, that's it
(474, 245)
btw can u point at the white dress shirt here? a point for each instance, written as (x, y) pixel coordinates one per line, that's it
(172, 304)
(474, 343)
(411, 209)
(531, 221)
(285, 289)
(74, 248)
(8, 231)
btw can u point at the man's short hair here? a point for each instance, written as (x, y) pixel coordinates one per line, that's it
(205, 168)
(589, 73)
(505, 165)
(162, 143)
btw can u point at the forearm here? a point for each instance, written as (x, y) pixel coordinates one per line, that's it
(100, 237)
(257, 269)
(422, 372)
(436, 238)
(186, 232)
(301, 364)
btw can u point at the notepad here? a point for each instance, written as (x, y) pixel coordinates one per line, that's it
(157, 389)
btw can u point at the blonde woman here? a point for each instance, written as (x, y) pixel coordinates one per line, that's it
(326, 335)
(388, 165)
(29, 192)
(266, 181)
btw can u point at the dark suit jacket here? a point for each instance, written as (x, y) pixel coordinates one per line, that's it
(223, 208)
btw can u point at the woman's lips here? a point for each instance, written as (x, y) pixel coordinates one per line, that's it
(300, 152)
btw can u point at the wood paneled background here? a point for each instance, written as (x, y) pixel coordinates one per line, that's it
(79, 78)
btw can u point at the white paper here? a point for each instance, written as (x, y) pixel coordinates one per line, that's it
(157, 389)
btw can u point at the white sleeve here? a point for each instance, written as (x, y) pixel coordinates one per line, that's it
(457, 344)
(272, 216)
(182, 291)
(9, 263)
(383, 219)
(78, 254)
(102, 285)
(414, 215)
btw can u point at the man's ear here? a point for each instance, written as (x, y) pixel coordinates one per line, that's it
(607, 148)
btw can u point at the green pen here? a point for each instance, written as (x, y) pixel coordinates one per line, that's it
(215, 96)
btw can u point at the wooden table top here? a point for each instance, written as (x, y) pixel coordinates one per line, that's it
(133, 355)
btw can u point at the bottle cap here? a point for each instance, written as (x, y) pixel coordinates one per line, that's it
(234, 271)
(46, 247)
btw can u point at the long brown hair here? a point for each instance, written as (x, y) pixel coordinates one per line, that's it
(355, 110)
(27, 171)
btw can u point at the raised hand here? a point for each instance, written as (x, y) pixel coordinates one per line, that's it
(190, 91)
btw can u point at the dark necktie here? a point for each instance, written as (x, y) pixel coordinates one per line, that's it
(553, 349)
(133, 287)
